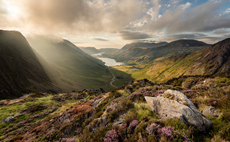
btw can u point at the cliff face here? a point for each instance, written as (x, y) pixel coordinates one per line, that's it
(216, 59)
(19, 65)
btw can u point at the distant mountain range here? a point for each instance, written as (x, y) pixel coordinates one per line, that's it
(141, 44)
(214, 60)
(148, 52)
(93, 50)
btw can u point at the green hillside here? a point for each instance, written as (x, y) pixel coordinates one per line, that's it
(213, 60)
(140, 54)
(73, 66)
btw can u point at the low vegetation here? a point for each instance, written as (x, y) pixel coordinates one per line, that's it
(120, 115)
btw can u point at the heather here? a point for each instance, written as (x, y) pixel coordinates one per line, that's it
(119, 115)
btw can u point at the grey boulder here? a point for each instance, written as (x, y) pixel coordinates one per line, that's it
(174, 104)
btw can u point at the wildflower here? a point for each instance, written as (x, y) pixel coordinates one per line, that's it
(133, 124)
(166, 131)
(111, 136)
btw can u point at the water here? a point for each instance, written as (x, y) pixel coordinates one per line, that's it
(108, 61)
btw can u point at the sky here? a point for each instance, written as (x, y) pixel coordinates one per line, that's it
(114, 23)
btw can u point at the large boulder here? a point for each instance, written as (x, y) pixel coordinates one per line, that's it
(174, 104)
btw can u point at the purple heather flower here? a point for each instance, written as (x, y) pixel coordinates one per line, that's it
(133, 124)
(111, 136)
(166, 131)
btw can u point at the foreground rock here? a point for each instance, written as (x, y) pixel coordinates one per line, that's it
(174, 104)
(211, 111)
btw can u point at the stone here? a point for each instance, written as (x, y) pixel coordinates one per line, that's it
(174, 104)
(119, 122)
(211, 111)
(9, 119)
(152, 128)
(95, 103)
(82, 100)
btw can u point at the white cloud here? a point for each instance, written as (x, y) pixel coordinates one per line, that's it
(202, 18)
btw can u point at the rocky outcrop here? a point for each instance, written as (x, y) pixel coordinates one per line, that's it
(152, 128)
(211, 111)
(174, 104)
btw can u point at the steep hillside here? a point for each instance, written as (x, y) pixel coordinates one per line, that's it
(74, 67)
(89, 50)
(213, 60)
(139, 54)
(124, 114)
(20, 70)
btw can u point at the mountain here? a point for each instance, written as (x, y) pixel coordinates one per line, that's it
(141, 44)
(89, 50)
(74, 69)
(214, 60)
(93, 50)
(107, 49)
(142, 54)
(21, 70)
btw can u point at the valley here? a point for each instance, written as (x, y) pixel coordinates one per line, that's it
(115, 71)
(77, 96)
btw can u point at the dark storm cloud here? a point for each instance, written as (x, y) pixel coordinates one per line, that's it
(100, 39)
(182, 36)
(129, 35)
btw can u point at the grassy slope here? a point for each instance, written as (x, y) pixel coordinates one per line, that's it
(170, 68)
(53, 117)
(145, 55)
(74, 67)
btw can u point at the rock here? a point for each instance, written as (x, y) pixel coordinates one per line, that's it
(174, 104)
(152, 128)
(9, 119)
(82, 100)
(119, 122)
(103, 121)
(211, 111)
(95, 103)
(94, 130)
(111, 107)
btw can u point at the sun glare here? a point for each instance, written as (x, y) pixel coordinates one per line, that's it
(12, 10)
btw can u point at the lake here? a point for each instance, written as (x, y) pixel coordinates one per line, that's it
(108, 61)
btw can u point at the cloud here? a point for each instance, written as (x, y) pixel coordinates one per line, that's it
(182, 36)
(100, 39)
(202, 18)
(221, 31)
(200, 37)
(78, 16)
(2, 8)
(130, 35)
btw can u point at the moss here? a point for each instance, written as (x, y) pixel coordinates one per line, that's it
(143, 109)
(130, 116)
